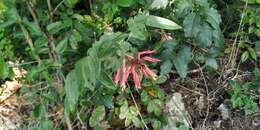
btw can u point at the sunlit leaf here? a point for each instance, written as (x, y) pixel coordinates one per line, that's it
(163, 23)
(244, 56)
(252, 53)
(71, 3)
(4, 69)
(97, 116)
(55, 27)
(125, 3)
(159, 4)
(154, 107)
(62, 45)
(72, 90)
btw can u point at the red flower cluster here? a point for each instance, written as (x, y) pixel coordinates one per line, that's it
(135, 63)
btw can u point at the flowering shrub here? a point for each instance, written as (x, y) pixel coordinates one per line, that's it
(134, 63)
(71, 49)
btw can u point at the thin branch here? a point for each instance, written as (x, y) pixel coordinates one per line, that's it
(68, 122)
(81, 122)
(31, 10)
(28, 38)
(207, 91)
(138, 111)
(235, 49)
(190, 71)
(196, 92)
(56, 8)
(50, 9)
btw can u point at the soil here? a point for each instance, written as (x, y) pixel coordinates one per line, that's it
(204, 95)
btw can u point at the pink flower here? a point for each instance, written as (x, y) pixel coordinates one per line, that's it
(136, 63)
(149, 73)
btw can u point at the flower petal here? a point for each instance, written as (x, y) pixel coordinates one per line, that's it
(149, 73)
(117, 78)
(145, 52)
(151, 59)
(123, 67)
(125, 76)
(136, 78)
(140, 68)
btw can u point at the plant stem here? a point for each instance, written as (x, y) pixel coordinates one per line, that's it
(68, 122)
(138, 111)
(28, 39)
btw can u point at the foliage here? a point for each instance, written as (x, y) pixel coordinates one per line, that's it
(202, 37)
(241, 97)
(248, 35)
(248, 24)
(6, 52)
(72, 50)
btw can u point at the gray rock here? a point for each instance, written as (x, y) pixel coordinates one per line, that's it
(176, 112)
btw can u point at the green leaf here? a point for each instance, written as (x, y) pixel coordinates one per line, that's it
(106, 81)
(128, 120)
(218, 38)
(46, 125)
(168, 52)
(157, 125)
(55, 27)
(244, 56)
(213, 17)
(123, 110)
(35, 71)
(104, 97)
(166, 67)
(4, 69)
(191, 25)
(155, 107)
(161, 79)
(257, 73)
(257, 47)
(211, 62)
(11, 14)
(72, 90)
(163, 23)
(204, 36)
(62, 45)
(133, 111)
(2, 6)
(7, 23)
(160, 94)
(137, 122)
(252, 53)
(33, 28)
(183, 7)
(181, 61)
(72, 3)
(97, 116)
(39, 111)
(125, 3)
(98, 128)
(183, 127)
(144, 97)
(137, 28)
(159, 4)
(88, 69)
